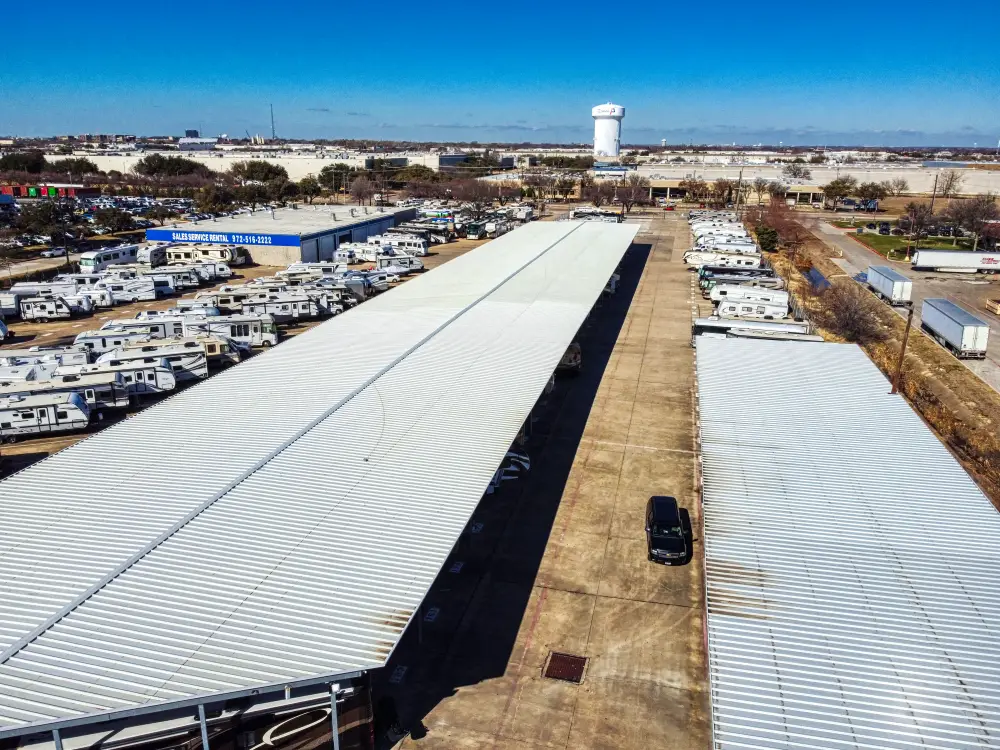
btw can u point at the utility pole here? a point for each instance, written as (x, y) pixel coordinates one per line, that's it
(739, 191)
(902, 352)
(934, 191)
(273, 136)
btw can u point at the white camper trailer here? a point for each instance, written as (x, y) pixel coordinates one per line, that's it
(400, 265)
(737, 293)
(220, 351)
(104, 340)
(753, 310)
(44, 309)
(188, 363)
(245, 330)
(287, 306)
(179, 278)
(726, 260)
(123, 291)
(58, 355)
(152, 255)
(405, 243)
(25, 416)
(99, 390)
(141, 377)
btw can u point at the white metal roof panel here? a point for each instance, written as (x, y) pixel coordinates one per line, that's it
(304, 221)
(289, 514)
(851, 563)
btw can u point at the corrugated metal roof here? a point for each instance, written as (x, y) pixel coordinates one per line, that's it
(284, 519)
(852, 565)
(958, 314)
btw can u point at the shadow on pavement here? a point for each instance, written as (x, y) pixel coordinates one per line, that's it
(465, 630)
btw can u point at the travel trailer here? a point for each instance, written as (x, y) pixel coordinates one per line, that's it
(152, 255)
(142, 377)
(400, 265)
(105, 340)
(123, 291)
(99, 390)
(401, 242)
(44, 309)
(26, 416)
(157, 328)
(98, 260)
(290, 306)
(58, 355)
(735, 293)
(220, 351)
(696, 258)
(312, 270)
(715, 324)
(750, 309)
(180, 278)
(229, 254)
(188, 363)
(245, 330)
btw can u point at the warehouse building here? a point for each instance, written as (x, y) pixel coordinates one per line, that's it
(851, 563)
(286, 235)
(268, 535)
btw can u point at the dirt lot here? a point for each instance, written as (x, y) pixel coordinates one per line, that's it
(557, 562)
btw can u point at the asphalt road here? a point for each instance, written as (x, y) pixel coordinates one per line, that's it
(968, 290)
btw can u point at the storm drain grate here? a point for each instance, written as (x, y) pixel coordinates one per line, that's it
(566, 667)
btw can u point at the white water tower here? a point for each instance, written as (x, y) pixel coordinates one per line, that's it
(607, 129)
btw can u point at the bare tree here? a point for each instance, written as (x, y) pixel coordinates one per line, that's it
(975, 215)
(362, 189)
(777, 190)
(696, 190)
(565, 185)
(759, 186)
(851, 312)
(796, 172)
(635, 190)
(950, 183)
(477, 195)
(898, 186)
(600, 193)
(507, 191)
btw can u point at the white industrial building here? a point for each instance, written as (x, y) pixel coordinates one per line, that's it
(287, 235)
(272, 531)
(851, 563)
(607, 130)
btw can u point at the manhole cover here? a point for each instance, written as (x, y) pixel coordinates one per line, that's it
(565, 667)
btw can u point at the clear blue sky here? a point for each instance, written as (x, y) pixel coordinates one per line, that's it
(888, 72)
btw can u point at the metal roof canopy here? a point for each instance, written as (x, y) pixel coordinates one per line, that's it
(851, 563)
(280, 522)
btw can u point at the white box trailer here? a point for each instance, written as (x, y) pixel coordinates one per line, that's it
(738, 293)
(955, 261)
(753, 310)
(890, 285)
(956, 329)
(721, 260)
(25, 416)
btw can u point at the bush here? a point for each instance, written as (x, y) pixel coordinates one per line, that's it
(767, 238)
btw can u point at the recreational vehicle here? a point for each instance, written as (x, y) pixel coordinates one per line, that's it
(123, 291)
(59, 355)
(229, 254)
(25, 416)
(5, 332)
(405, 243)
(696, 258)
(286, 307)
(751, 309)
(180, 278)
(106, 340)
(188, 363)
(715, 324)
(98, 260)
(204, 273)
(736, 293)
(312, 270)
(401, 265)
(192, 307)
(44, 309)
(152, 255)
(82, 280)
(160, 328)
(244, 330)
(102, 390)
(220, 351)
(142, 377)
(710, 282)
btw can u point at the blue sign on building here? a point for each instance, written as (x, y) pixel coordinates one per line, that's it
(221, 238)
